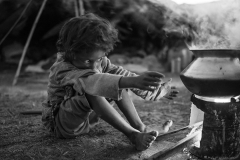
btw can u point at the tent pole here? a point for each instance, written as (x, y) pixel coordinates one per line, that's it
(81, 8)
(76, 8)
(27, 43)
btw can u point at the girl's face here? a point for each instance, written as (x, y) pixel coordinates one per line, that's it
(91, 60)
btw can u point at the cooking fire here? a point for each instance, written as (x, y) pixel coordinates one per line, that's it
(213, 78)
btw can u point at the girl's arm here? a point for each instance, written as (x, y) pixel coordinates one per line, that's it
(102, 84)
(142, 85)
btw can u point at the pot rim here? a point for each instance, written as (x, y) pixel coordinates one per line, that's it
(231, 53)
(214, 49)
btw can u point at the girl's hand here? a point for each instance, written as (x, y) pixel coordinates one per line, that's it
(164, 90)
(148, 81)
(168, 91)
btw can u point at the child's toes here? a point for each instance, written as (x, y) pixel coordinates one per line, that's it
(143, 140)
(167, 125)
(147, 145)
(150, 139)
(154, 133)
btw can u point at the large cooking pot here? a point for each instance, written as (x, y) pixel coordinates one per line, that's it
(214, 72)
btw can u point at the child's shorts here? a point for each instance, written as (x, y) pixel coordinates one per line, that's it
(72, 118)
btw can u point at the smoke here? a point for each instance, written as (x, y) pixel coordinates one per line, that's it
(214, 25)
(217, 25)
(233, 28)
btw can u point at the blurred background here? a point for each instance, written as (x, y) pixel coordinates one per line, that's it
(154, 34)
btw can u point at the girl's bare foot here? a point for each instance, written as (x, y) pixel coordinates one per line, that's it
(93, 119)
(161, 129)
(143, 140)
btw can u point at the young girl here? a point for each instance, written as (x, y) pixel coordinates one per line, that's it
(83, 82)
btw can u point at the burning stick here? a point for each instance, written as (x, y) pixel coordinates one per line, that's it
(177, 147)
(166, 135)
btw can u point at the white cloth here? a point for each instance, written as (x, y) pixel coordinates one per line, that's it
(196, 115)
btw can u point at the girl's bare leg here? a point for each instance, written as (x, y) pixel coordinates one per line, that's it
(127, 107)
(105, 111)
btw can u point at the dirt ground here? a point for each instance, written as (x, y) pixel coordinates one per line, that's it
(23, 137)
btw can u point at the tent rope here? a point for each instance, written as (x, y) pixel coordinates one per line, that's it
(10, 30)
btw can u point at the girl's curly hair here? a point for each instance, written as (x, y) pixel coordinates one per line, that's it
(85, 34)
